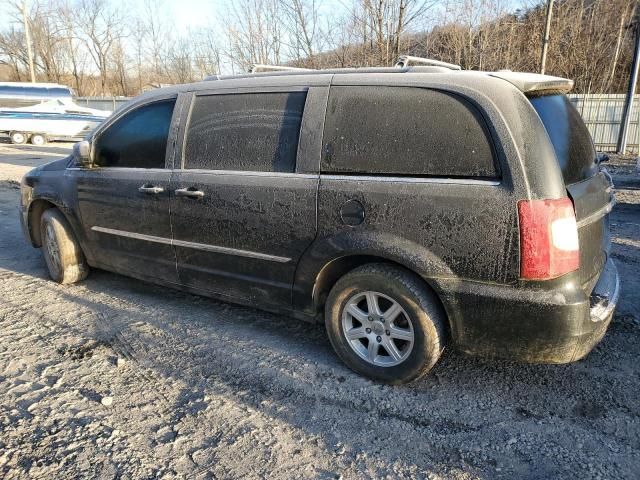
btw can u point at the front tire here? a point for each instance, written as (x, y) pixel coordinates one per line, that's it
(18, 138)
(62, 252)
(384, 323)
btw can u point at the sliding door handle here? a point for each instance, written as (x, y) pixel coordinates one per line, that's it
(190, 192)
(150, 189)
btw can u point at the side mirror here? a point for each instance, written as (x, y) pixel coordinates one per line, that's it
(82, 152)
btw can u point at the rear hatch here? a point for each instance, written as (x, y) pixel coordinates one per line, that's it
(589, 186)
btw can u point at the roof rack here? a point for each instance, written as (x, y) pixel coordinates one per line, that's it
(258, 67)
(277, 70)
(406, 60)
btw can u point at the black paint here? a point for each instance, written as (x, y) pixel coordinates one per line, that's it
(461, 238)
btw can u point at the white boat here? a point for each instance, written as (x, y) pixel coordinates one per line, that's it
(48, 113)
(24, 94)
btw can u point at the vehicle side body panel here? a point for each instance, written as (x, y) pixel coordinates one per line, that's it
(130, 231)
(245, 236)
(461, 235)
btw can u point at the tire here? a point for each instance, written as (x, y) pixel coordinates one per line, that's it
(18, 138)
(417, 334)
(61, 251)
(38, 139)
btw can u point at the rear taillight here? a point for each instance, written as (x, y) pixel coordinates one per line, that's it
(548, 238)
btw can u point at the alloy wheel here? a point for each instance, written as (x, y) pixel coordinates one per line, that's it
(377, 328)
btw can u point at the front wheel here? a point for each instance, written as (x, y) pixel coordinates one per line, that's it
(385, 323)
(18, 138)
(61, 250)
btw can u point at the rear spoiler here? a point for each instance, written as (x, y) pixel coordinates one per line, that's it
(535, 84)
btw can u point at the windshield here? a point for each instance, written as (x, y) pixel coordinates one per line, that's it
(569, 135)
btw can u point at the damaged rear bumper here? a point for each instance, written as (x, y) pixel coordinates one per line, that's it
(559, 325)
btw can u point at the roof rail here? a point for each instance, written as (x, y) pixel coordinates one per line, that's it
(275, 70)
(406, 60)
(258, 67)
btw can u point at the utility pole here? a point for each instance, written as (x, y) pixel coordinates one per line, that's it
(545, 39)
(621, 147)
(28, 39)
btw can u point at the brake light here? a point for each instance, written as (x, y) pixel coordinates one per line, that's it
(548, 238)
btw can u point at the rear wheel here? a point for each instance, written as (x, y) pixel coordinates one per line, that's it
(384, 322)
(18, 138)
(62, 253)
(38, 139)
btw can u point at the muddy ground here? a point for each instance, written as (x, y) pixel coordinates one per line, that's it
(203, 389)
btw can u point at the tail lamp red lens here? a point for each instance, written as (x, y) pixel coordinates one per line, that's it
(549, 244)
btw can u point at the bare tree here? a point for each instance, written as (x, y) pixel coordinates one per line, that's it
(14, 52)
(101, 27)
(73, 45)
(93, 46)
(627, 14)
(156, 31)
(302, 24)
(254, 32)
(48, 34)
(138, 37)
(118, 62)
(207, 53)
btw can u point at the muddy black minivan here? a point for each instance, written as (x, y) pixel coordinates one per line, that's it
(411, 208)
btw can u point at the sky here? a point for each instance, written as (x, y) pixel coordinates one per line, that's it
(194, 13)
(197, 13)
(186, 13)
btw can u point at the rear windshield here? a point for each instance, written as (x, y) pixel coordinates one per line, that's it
(569, 135)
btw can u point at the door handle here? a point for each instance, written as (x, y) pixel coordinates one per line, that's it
(190, 192)
(150, 189)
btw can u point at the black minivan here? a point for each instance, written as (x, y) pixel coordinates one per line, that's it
(410, 207)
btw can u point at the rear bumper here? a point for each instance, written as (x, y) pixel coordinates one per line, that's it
(605, 294)
(560, 325)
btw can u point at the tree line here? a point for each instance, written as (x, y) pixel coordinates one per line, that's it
(102, 47)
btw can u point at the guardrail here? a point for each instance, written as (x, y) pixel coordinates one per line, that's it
(601, 113)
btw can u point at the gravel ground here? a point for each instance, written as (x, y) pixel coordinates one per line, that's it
(115, 378)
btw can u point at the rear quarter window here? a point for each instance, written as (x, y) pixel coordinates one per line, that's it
(405, 131)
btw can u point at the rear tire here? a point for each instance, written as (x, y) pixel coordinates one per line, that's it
(38, 139)
(62, 252)
(407, 334)
(18, 138)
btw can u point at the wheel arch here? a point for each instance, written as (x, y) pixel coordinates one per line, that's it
(36, 209)
(316, 275)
